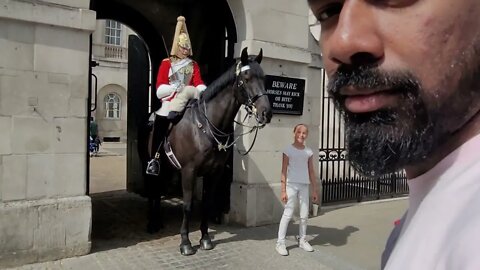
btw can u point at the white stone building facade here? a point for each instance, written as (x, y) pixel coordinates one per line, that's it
(44, 60)
(110, 52)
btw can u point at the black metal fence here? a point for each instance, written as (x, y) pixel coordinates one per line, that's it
(339, 181)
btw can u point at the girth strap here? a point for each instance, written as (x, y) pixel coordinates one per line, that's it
(170, 155)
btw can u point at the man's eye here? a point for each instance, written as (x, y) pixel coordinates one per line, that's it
(329, 11)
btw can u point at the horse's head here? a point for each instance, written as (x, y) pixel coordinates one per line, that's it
(250, 87)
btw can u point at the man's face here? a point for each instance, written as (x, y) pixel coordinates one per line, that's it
(183, 52)
(405, 74)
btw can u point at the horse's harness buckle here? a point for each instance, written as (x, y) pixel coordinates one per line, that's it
(222, 147)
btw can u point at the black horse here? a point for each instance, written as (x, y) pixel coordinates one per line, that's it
(201, 140)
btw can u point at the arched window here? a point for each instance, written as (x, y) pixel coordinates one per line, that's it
(112, 106)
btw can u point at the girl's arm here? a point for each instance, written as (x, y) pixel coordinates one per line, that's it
(284, 178)
(313, 180)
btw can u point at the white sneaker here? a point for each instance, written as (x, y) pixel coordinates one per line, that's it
(281, 249)
(303, 244)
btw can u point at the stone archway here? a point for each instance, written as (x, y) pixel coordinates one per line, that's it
(44, 98)
(213, 36)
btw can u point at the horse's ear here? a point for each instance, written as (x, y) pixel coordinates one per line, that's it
(259, 57)
(244, 57)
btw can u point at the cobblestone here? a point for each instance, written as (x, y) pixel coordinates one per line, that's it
(236, 248)
(343, 238)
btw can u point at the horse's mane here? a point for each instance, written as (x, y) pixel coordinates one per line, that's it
(227, 78)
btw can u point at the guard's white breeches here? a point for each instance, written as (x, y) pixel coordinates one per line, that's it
(295, 192)
(181, 99)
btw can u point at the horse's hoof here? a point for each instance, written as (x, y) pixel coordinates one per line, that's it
(187, 250)
(206, 244)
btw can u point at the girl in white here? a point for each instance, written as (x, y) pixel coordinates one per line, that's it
(297, 174)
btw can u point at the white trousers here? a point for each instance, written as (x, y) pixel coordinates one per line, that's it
(295, 192)
(180, 101)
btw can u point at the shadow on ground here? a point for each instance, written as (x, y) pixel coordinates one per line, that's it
(119, 220)
(322, 236)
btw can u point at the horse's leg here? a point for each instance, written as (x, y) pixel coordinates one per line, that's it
(151, 138)
(221, 195)
(151, 227)
(154, 215)
(207, 204)
(188, 176)
(154, 200)
(210, 183)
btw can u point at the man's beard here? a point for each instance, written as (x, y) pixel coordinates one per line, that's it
(386, 140)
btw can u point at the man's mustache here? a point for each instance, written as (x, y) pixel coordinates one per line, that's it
(366, 77)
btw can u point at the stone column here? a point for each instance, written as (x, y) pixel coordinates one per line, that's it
(44, 60)
(280, 28)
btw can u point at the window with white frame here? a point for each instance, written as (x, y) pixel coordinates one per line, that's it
(113, 32)
(112, 106)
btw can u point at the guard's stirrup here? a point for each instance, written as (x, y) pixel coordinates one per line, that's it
(153, 167)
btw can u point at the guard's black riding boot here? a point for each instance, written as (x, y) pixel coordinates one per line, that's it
(159, 131)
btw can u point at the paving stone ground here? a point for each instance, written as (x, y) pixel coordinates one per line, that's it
(344, 237)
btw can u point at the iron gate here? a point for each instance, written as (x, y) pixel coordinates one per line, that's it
(340, 181)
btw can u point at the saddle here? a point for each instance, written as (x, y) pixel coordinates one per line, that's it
(175, 117)
(167, 148)
(153, 166)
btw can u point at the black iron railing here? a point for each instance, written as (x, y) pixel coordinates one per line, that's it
(340, 182)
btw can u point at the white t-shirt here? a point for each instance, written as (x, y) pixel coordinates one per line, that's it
(297, 170)
(442, 227)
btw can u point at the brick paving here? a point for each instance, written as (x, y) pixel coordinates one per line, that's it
(119, 240)
(343, 237)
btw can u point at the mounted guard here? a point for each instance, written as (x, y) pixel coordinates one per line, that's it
(178, 81)
(203, 139)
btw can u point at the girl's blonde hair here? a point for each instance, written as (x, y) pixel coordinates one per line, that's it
(301, 124)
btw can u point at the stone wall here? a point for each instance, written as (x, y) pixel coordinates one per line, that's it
(44, 213)
(280, 28)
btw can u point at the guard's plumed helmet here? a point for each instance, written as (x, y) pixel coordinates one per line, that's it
(181, 37)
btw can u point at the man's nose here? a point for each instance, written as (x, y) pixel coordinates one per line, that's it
(356, 39)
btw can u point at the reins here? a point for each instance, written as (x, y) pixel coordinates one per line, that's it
(250, 108)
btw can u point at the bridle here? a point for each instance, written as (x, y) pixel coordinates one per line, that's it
(249, 105)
